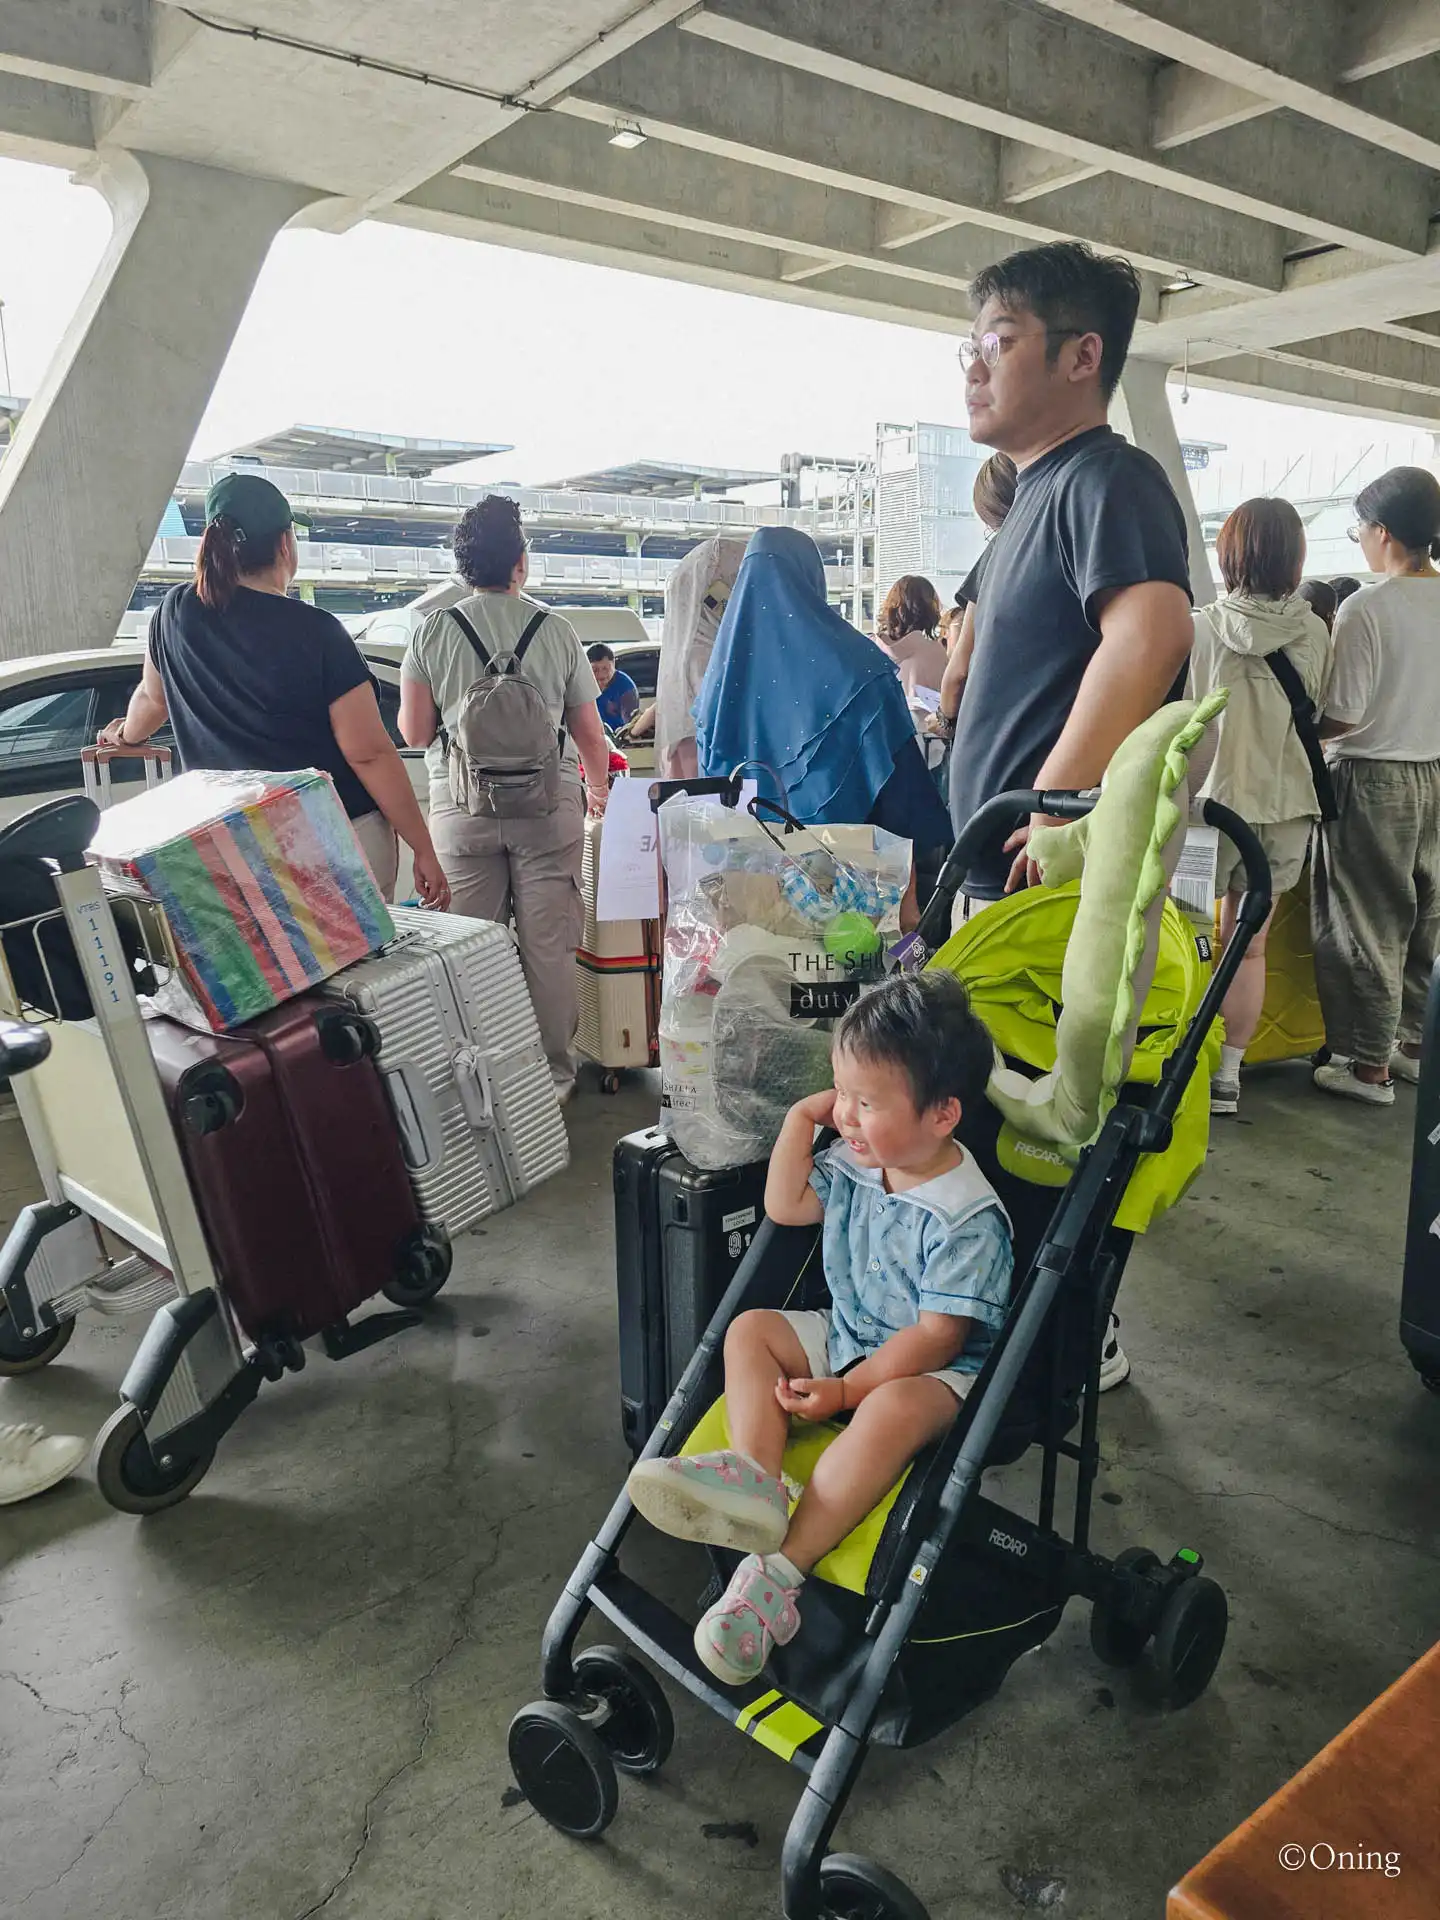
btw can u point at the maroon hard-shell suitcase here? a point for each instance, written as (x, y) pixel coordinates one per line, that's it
(296, 1162)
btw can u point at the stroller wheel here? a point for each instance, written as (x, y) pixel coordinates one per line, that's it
(1117, 1639)
(638, 1730)
(854, 1888)
(1188, 1643)
(130, 1477)
(27, 1353)
(563, 1770)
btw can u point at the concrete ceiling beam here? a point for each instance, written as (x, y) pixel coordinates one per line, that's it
(102, 46)
(506, 217)
(741, 107)
(1287, 56)
(1390, 33)
(1364, 355)
(45, 123)
(1186, 105)
(1323, 294)
(1039, 76)
(1268, 379)
(819, 227)
(1026, 172)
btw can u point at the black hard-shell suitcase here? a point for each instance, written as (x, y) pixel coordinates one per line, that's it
(1420, 1293)
(680, 1233)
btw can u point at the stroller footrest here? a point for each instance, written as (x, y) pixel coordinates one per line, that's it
(663, 1637)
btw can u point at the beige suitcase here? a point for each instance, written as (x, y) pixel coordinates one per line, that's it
(619, 980)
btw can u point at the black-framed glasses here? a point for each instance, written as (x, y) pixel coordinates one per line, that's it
(990, 346)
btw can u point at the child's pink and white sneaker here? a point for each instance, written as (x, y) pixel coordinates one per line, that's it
(719, 1499)
(755, 1614)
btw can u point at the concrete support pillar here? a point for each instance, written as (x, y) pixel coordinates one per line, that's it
(95, 461)
(1142, 413)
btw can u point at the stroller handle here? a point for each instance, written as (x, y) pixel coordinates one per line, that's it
(996, 819)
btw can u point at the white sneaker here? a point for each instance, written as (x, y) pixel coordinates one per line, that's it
(32, 1460)
(1114, 1365)
(1343, 1081)
(1402, 1067)
(1224, 1094)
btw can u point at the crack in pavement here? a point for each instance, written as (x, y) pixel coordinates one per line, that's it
(88, 1715)
(1304, 1513)
(462, 1630)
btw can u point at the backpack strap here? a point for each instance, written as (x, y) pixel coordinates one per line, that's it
(463, 621)
(1302, 714)
(532, 628)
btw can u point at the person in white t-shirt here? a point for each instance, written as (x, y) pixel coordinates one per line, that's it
(1376, 893)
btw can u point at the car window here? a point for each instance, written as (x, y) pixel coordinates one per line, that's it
(643, 665)
(46, 726)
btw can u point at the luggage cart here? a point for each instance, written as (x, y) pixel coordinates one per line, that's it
(105, 1147)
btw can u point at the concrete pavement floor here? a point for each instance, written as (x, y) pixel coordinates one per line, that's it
(289, 1695)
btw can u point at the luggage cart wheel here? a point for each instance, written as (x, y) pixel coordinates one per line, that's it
(422, 1268)
(131, 1477)
(1117, 1636)
(27, 1353)
(853, 1888)
(1188, 1643)
(563, 1770)
(636, 1727)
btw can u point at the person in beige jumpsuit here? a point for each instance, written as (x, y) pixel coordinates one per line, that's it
(523, 870)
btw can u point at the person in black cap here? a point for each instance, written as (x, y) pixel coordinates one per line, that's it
(251, 679)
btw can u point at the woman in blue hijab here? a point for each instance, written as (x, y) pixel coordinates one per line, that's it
(792, 686)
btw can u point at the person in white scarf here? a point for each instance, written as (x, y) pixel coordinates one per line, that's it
(695, 600)
(1261, 770)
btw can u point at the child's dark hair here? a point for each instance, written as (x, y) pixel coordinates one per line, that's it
(922, 1023)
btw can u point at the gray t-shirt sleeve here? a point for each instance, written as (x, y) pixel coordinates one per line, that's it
(580, 684)
(1122, 525)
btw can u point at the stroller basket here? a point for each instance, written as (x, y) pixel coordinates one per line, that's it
(905, 1631)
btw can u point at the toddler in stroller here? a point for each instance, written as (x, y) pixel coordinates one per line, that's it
(917, 1262)
(917, 1614)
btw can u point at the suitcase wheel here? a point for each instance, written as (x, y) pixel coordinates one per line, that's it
(210, 1099)
(422, 1268)
(346, 1037)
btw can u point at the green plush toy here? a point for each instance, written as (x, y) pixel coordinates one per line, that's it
(1121, 849)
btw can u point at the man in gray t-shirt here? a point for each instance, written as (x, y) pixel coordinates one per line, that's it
(1082, 626)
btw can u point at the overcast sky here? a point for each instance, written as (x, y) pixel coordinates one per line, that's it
(578, 366)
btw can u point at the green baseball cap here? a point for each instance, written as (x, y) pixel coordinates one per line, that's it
(257, 507)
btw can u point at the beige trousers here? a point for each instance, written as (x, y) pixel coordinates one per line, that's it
(528, 871)
(381, 848)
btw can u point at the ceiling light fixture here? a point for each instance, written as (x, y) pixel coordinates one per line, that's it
(628, 134)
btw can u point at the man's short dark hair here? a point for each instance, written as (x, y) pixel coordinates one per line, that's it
(1344, 585)
(1073, 290)
(599, 652)
(923, 1024)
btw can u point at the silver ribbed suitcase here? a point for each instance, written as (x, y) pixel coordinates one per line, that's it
(461, 1055)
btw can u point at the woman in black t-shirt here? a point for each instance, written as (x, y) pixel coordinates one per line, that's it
(251, 680)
